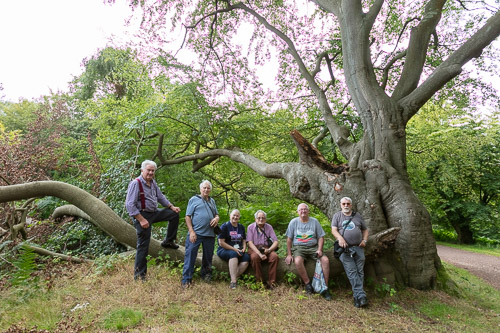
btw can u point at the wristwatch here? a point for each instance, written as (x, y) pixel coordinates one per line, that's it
(364, 240)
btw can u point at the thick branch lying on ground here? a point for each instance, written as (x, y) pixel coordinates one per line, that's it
(46, 252)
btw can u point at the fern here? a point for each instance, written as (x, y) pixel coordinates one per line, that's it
(24, 266)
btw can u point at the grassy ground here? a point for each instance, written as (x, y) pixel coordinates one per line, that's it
(474, 248)
(102, 297)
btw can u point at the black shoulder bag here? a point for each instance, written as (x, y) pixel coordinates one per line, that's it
(217, 229)
(269, 241)
(337, 249)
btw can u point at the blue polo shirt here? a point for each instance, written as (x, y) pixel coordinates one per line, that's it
(202, 212)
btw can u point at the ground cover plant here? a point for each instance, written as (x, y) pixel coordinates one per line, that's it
(102, 297)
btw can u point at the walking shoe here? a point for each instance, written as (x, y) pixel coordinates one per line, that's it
(185, 285)
(363, 301)
(309, 289)
(207, 278)
(356, 302)
(271, 285)
(233, 285)
(326, 295)
(169, 245)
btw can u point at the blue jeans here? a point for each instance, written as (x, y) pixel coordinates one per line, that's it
(191, 254)
(144, 237)
(354, 269)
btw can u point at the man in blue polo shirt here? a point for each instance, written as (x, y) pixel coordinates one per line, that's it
(143, 196)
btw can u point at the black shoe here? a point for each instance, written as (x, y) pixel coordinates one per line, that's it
(356, 302)
(186, 284)
(326, 295)
(207, 278)
(169, 245)
(363, 301)
(309, 289)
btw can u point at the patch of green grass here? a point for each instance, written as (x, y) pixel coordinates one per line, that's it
(174, 313)
(474, 248)
(34, 311)
(473, 307)
(122, 318)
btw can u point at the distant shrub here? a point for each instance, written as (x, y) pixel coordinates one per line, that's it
(444, 235)
(487, 242)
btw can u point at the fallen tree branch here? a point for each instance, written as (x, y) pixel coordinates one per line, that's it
(46, 252)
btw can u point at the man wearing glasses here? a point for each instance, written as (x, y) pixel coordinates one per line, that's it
(349, 228)
(262, 246)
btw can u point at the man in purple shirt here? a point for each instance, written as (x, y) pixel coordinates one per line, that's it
(262, 246)
(143, 196)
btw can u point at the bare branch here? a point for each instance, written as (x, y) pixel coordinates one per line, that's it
(373, 13)
(46, 252)
(269, 170)
(385, 77)
(322, 134)
(207, 161)
(452, 66)
(319, 58)
(417, 49)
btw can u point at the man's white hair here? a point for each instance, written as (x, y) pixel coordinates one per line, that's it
(205, 182)
(148, 162)
(346, 198)
(302, 203)
(260, 211)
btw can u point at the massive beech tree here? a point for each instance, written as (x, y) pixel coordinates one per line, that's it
(331, 49)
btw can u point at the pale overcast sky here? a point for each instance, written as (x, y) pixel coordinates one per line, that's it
(43, 42)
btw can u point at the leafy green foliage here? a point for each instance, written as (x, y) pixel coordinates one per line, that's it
(45, 206)
(384, 289)
(82, 238)
(444, 235)
(24, 267)
(453, 161)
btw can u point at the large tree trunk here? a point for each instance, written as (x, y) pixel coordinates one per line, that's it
(90, 208)
(385, 199)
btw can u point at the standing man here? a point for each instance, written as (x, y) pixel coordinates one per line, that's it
(201, 219)
(307, 237)
(262, 246)
(350, 230)
(143, 196)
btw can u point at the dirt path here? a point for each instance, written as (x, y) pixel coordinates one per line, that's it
(485, 266)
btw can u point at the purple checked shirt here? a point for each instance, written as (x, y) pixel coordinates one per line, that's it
(152, 194)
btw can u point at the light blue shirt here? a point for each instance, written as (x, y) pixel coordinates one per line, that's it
(202, 212)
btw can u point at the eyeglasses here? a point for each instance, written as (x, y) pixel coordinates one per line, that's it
(261, 218)
(345, 203)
